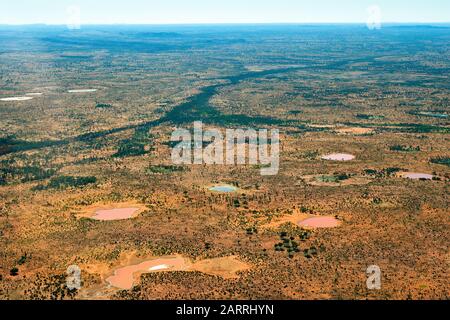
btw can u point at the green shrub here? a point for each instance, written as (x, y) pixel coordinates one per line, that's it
(445, 161)
(25, 174)
(432, 114)
(22, 259)
(163, 169)
(311, 155)
(135, 146)
(369, 117)
(404, 148)
(387, 172)
(333, 178)
(64, 182)
(14, 272)
(305, 235)
(103, 106)
(310, 253)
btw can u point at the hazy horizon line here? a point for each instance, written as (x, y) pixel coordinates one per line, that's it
(220, 23)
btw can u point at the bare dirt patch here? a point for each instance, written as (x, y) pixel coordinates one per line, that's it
(357, 131)
(226, 267)
(292, 218)
(112, 212)
(331, 180)
(319, 222)
(125, 277)
(305, 221)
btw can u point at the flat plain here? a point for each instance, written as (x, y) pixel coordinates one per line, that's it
(86, 118)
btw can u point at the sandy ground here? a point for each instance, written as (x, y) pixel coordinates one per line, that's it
(304, 220)
(313, 181)
(226, 267)
(357, 131)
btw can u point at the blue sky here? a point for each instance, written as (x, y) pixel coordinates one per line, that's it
(221, 11)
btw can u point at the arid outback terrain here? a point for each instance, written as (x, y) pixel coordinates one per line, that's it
(86, 177)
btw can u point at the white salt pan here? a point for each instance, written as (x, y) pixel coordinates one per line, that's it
(160, 267)
(16, 99)
(82, 90)
(339, 157)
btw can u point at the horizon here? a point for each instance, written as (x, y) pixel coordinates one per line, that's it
(177, 12)
(387, 23)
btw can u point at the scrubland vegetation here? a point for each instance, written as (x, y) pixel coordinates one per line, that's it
(62, 152)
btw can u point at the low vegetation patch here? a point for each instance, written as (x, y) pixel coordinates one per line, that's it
(14, 272)
(24, 174)
(288, 244)
(404, 127)
(445, 161)
(310, 252)
(404, 148)
(440, 114)
(387, 172)
(369, 117)
(65, 182)
(420, 128)
(11, 145)
(333, 178)
(135, 146)
(103, 106)
(311, 155)
(163, 169)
